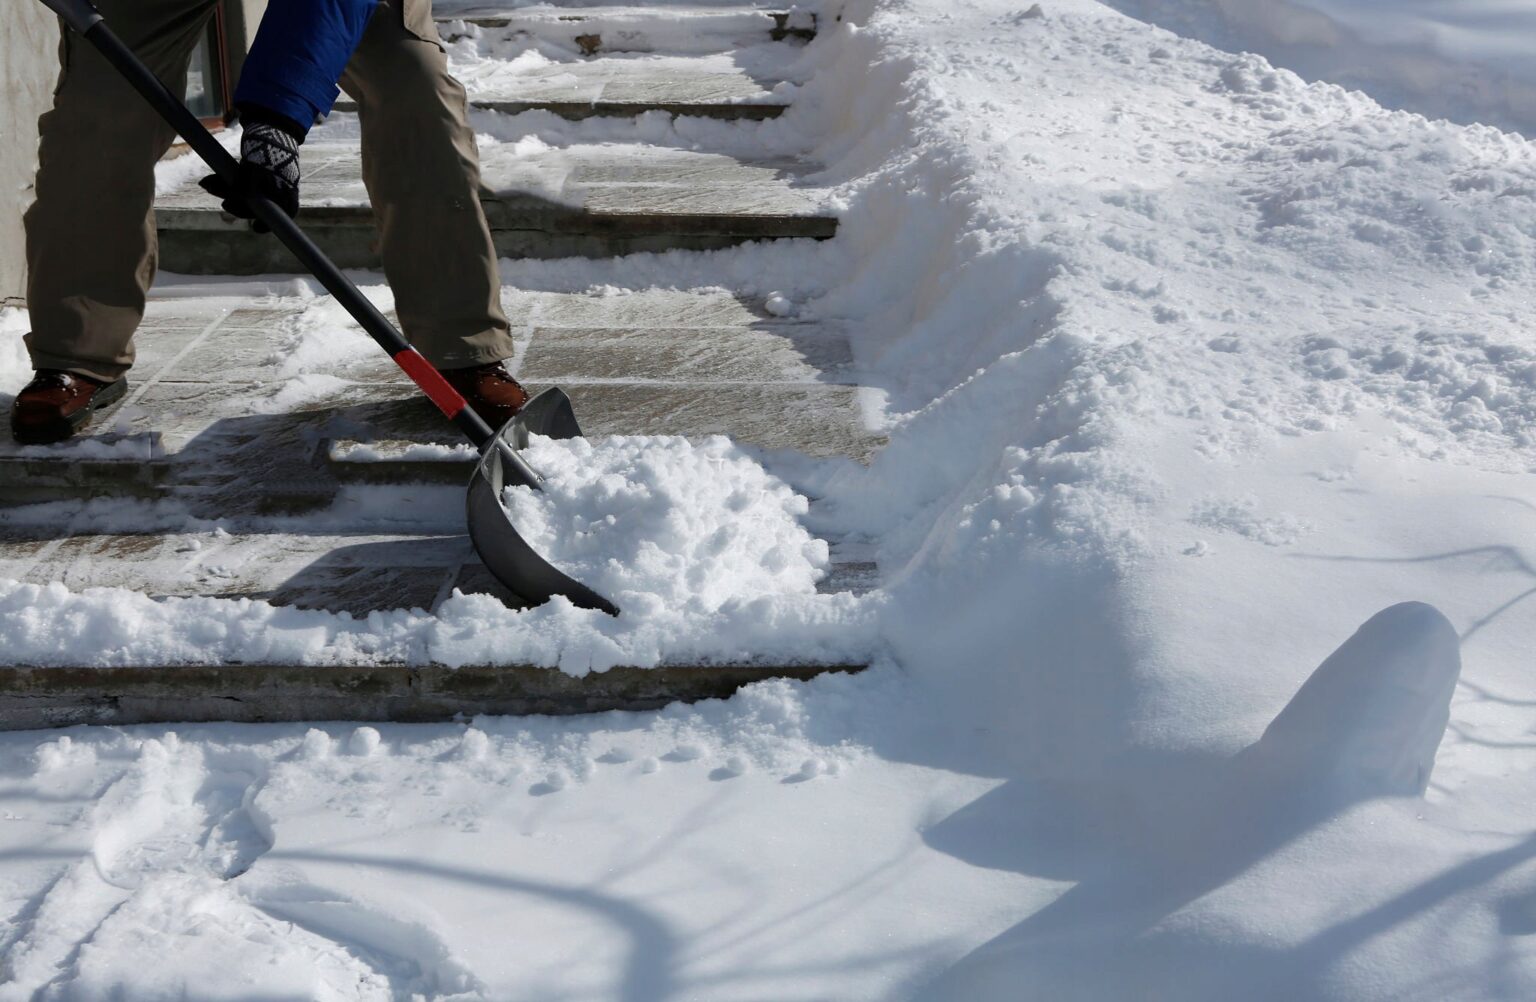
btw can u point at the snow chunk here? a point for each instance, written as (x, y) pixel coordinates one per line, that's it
(364, 742)
(664, 523)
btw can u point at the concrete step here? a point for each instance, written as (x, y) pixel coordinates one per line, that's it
(214, 419)
(703, 86)
(654, 28)
(34, 698)
(581, 201)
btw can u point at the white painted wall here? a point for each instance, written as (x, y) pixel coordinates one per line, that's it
(29, 67)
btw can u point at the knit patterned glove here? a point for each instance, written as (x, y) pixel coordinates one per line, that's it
(269, 168)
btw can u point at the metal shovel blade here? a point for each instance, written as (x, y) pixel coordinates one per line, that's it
(502, 548)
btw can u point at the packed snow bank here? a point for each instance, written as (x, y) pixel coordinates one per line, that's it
(1196, 368)
(1468, 62)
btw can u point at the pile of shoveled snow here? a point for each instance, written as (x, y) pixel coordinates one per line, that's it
(665, 525)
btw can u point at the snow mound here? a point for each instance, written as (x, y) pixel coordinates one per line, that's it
(1468, 62)
(661, 523)
(1370, 719)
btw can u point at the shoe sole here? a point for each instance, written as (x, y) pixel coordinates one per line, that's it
(75, 423)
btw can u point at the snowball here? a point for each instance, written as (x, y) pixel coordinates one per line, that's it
(780, 305)
(364, 741)
(474, 745)
(316, 745)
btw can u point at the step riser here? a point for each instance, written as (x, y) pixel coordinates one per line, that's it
(578, 112)
(586, 201)
(234, 250)
(38, 698)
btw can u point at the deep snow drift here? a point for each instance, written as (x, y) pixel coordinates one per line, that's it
(1194, 373)
(667, 524)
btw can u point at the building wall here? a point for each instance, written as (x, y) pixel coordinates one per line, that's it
(29, 67)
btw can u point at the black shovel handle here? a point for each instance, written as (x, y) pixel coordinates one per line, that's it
(88, 22)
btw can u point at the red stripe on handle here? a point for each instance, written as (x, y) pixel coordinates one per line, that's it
(432, 383)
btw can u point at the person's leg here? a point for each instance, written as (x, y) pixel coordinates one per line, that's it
(91, 246)
(422, 171)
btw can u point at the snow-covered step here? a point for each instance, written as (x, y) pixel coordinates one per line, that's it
(649, 28)
(711, 86)
(580, 201)
(34, 698)
(317, 564)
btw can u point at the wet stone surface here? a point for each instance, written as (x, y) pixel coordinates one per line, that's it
(637, 181)
(599, 30)
(582, 201)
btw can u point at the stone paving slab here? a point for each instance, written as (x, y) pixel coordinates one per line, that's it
(614, 87)
(592, 200)
(210, 412)
(595, 29)
(788, 354)
(823, 421)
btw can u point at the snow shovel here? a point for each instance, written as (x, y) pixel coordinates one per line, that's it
(505, 553)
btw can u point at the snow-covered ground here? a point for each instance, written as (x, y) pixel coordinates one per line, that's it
(1198, 377)
(1467, 60)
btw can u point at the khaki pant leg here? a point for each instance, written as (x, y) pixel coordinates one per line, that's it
(91, 245)
(422, 171)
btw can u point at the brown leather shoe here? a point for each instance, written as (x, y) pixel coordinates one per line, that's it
(490, 390)
(56, 405)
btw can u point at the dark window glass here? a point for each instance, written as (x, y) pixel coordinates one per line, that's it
(205, 84)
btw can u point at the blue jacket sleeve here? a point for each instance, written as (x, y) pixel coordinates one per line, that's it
(301, 50)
